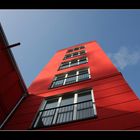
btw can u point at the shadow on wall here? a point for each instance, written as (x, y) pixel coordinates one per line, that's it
(40, 86)
(108, 118)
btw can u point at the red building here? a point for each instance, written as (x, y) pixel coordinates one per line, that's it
(79, 89)
(12, 87)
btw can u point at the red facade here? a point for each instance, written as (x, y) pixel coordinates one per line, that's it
(117, 106)
(12, 89)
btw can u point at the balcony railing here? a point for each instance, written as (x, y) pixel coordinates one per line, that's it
(66, 113)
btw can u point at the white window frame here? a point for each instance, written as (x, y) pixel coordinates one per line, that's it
(69, 63)
(60, 98)
(71, 55)
(66, 75)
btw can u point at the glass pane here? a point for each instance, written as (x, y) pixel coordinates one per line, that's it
(51, 103)
(65, 113)
(66, 100)
(75, 54)
(71, 73)
(82, 71)
(74, 62)
(47, 120)
(82, 61)
(69, 50)
(85, 110)
(82, 47)
(58, 83)
(83, 77)
(65, 63)
(82, 52)
(61, 76)
(63, 67)
(68, 56)
(76, 49)
(71, 80)
(84, 96)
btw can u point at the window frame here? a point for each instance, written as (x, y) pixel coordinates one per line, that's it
(70, 63)
(75, 49)
(71, 54)
(75, 111)
(77, 75)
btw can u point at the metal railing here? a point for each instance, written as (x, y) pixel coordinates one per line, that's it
(63, 114)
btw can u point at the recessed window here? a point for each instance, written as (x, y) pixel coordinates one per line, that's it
(73, 62)
(69, 107)
(71, 77)
(74, 54)
(75, 49)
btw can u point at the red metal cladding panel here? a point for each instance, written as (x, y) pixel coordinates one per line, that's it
(6, 66)
(5, 84)
(2, 115)
(112, 91)
(11, 96)
(116, 99)
(21, 126)
(118, 109)
(25, 113)
(24, 118)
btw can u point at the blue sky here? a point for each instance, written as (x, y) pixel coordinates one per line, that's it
(43, 32)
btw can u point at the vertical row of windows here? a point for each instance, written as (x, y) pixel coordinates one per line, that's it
(69, 107)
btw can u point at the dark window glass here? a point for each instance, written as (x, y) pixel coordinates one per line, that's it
(83, 77)
(85, 105)
(64, 65)
(68, 56)
(71, 73)
(58, 83)
(51, 103)
(61, 76)
(82, 47)
(70, 80)
(75, 49)
(73, 63)
(82, 60)
(82, 52)
(67, 99)
(71, 50)
(84, 96)
(65, 113)
(82, 71)
(75, 54)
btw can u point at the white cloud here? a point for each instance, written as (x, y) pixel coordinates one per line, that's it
(125, 57)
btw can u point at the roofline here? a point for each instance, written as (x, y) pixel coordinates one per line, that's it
(78, 45)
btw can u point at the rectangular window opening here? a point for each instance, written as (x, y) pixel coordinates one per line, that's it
(68, 107)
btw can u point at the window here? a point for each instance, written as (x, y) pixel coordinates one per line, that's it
(73, 62)
(69, 107)
(71, 77)
(74, 54)
(75, 49)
